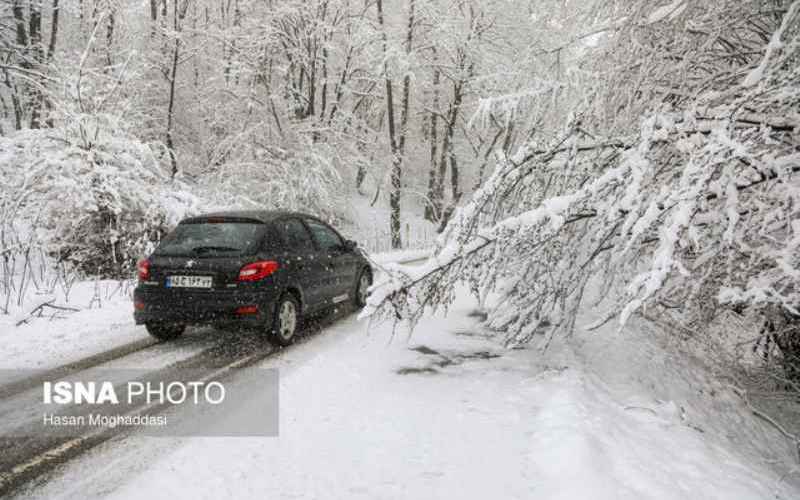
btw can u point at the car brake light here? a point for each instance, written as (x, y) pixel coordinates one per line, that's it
(247, 310)
(144, 269)
(258, 270)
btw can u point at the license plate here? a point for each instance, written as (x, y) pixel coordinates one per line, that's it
(188, 281)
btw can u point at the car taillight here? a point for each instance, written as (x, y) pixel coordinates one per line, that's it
(144, 269)
(258, 270)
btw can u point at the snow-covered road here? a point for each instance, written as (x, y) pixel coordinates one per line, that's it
(448, 413)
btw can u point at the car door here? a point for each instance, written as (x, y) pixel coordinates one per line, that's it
(301, 256)
(340, 261)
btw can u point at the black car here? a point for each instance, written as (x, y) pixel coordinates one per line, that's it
(255, 269)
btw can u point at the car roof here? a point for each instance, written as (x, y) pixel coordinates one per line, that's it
(263, 216)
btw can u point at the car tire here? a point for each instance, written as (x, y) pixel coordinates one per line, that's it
(165, 331)
(363, 283)
(286, 321)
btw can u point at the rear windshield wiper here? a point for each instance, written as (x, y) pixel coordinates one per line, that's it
(215, 249)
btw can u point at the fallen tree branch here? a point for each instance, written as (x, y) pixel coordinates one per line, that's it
(37, 311)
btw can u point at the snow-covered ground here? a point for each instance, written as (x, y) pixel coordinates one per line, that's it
(104, 320)
(449, 413)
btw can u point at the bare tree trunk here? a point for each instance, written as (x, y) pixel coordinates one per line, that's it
(4, 106)
(195, 62)
(396, 138)
(16, 106)
(437, 200)
(153, 17)
(458, 96)
(17, 95)
(45, 104)
(430, 208)
(455, 188)
(449, 156)
(396, 174)
(394, 201)
(19, 20)
(51, 47)
(237, 14)
(179, 14)
(36, 51)
(110, 37)
(324, 91)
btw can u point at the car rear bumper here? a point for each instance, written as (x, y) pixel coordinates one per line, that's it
(162, 305)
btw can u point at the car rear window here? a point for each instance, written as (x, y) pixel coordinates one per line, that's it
(214, 239)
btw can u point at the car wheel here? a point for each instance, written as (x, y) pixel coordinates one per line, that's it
(362, 287)
(286, 321)
(165, 331)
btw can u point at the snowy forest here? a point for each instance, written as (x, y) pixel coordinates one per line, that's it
(640, 153)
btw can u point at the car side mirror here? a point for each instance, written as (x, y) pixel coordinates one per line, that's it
(350, 245)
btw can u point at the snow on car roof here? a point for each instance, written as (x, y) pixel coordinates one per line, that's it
(256, 215)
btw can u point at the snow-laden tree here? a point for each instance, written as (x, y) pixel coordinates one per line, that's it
(268, 107)
(501, 62)
(270, 89)
(97, 206)
(86, 190)
(673, 187)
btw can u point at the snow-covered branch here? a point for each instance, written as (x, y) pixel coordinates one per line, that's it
(697, 207)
